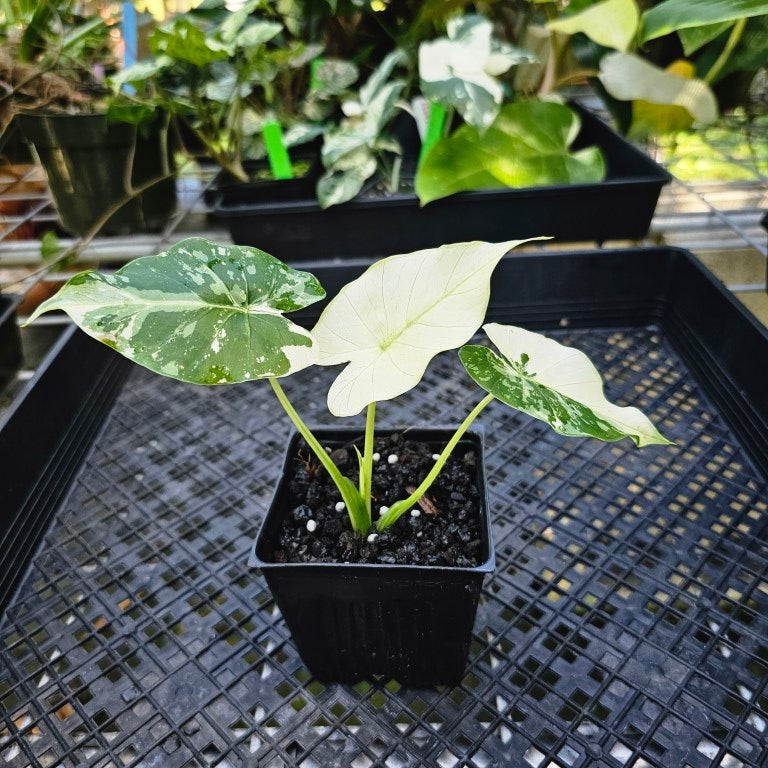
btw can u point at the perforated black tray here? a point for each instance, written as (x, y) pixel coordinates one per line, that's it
(626, 624)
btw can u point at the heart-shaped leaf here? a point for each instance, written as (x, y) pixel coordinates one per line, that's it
(553, 383)
(611, 23)
(527, 145)
(390, 322)
(200, 312)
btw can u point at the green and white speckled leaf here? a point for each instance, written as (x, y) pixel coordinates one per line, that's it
(390, 322)
(200, 312)
(554, 383)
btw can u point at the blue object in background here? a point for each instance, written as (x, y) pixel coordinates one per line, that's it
(130, 30)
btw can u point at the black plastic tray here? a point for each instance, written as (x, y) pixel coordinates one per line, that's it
(10, 339)
(625, 625)
(622, 206)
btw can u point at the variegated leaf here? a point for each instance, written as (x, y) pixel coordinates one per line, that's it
(554, 383)
(200, 312)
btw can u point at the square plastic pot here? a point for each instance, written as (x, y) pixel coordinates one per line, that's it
(351, 621)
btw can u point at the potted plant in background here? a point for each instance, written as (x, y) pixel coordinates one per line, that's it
(241, 83)
(105, 162)
(663, 66)
(375, 545)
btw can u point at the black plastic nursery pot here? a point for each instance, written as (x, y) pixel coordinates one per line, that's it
(625, 623)
(85, 158)
(10, 339)
(621, 206)
(351, 621)
(229, 191)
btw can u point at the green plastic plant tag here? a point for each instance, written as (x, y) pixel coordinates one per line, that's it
(435, 127)
(315, 81)
(277, 154)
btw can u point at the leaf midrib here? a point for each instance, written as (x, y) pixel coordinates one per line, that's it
(385, 345)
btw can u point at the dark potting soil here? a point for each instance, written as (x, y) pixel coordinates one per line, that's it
(446, 531)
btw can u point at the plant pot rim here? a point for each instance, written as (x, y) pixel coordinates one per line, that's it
(487, 566)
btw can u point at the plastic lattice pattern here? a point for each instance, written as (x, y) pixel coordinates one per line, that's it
(626, 625)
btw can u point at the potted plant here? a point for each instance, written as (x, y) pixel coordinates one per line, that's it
(489, 168)
(375, 545)
(663, 66)
(102, 159)
(241, 83)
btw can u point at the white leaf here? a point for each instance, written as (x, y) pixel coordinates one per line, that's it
(390, 322)
(453, 70)
(628, 77)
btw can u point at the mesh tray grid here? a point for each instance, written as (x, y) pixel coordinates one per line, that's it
(626, 624)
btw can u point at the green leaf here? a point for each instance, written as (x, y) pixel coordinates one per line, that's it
(554, 383)
(345, 180)
(611, 23)
(628, 77)
(50, 246)
(81, 33)
(696, 37)
(234, 21)
(393, 319)
(674, 15)
(200, 312)
(527, 145)
(749, 54)
(140, 72)
(257, 33)
(183, 41)
(332, 77)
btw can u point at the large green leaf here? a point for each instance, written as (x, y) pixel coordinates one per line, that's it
(674, 15)
(200, 312)
(554, 383)
(611, 23)
(527, 145)
(628, 77)
(390, 322)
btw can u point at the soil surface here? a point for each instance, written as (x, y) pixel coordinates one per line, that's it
(445, 531)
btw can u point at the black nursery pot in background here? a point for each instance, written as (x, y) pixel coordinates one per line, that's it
(229, 191)
(621, 206)
(351, 621)
(85, 158)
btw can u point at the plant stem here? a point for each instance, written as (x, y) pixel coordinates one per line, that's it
(402, 506)
(357, 512)
(365, 489)
(731, 43)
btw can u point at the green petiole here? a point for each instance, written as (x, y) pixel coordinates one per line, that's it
(358, 514)
(358, 501)
(400, 507)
